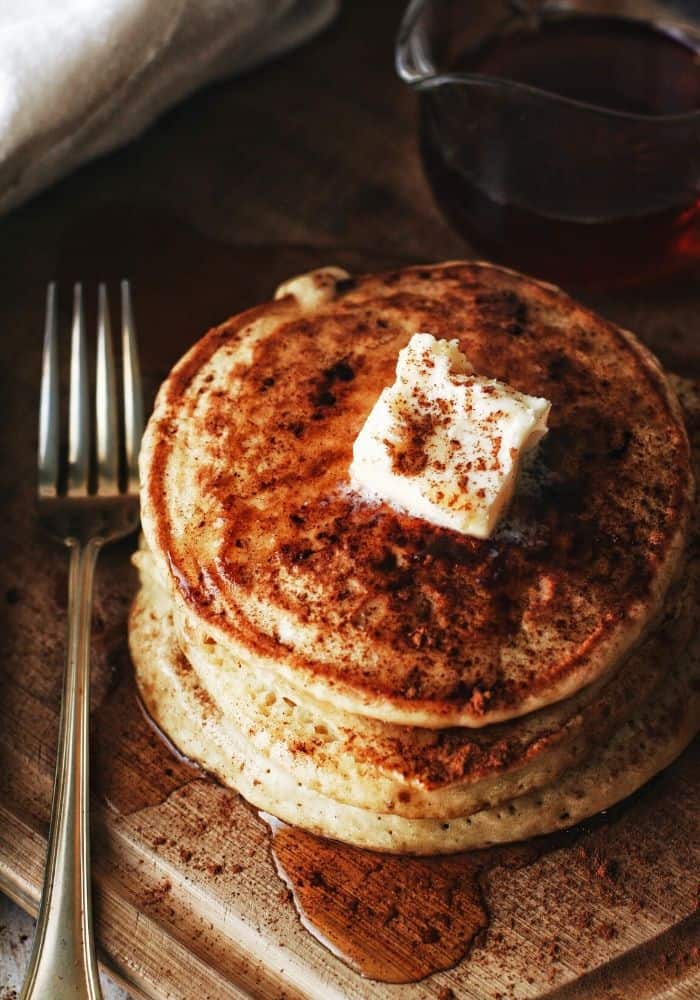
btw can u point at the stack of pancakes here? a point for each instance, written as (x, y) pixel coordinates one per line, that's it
(374, 678)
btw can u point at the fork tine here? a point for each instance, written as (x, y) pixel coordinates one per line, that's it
(78, 408)
(48, 405)
(133, 392)
(106, 402)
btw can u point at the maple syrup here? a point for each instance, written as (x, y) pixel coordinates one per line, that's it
(548, 221)
(396, 918)
(122, 731)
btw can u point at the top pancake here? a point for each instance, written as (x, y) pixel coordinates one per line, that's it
(248, 510)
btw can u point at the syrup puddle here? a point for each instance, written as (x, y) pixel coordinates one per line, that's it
(392, 918)
(123, 734)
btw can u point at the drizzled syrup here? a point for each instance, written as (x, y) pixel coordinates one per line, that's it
(622, 66)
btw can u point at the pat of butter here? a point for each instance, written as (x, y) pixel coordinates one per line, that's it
(444, 444)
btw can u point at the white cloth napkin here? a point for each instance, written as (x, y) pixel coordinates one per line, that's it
(80, 77)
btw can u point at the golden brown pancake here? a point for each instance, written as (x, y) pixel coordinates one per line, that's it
(267, 551)
(219, 738)
(381, 766)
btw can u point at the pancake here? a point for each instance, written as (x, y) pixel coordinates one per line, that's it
(384, 767)
(267, 553)
(655, 734)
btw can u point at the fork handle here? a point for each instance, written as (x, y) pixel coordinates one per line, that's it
(62, 963)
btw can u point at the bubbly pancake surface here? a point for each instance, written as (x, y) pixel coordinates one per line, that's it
(248, 510)
(218, 738)
(381, 766)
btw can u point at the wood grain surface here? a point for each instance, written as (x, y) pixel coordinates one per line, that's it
(311, 160)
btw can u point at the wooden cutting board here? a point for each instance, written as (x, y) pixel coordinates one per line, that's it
(188, 901)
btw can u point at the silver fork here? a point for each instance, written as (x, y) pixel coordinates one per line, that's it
(84, 512)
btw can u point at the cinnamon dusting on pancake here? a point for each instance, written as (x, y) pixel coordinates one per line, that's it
(375, 608)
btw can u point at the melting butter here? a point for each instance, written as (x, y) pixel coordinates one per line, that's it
(444, 443)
